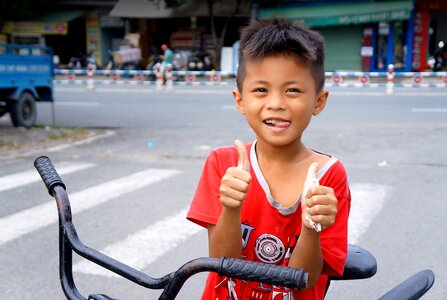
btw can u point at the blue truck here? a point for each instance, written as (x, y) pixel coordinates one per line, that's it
(26, 76)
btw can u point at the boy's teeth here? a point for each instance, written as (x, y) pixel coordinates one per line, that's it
(274, 121)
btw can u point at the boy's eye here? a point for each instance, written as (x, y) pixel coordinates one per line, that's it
(293, 90)
(260, 90)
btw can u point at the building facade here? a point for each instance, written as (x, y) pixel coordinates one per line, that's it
(370, 35)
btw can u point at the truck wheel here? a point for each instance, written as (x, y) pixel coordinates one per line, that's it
(23, 111)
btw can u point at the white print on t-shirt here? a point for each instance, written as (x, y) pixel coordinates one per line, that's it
(269, 249)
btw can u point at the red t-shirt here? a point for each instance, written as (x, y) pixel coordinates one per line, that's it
(269, 231)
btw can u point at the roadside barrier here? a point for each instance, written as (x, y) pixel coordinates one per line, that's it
(389, 80)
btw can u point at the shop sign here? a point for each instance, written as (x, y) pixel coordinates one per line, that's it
(93, 35)
(400, 14)
(3, 39)
(366, 51)
(420, 40)
(60, 28)
(433, 5)
(111, 22)
(375, 17)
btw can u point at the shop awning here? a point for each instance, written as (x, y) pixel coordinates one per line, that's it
(58, 16)
(189, 8)
(342, 14)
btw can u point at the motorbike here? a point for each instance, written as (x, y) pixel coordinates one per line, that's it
(83, 61)
(437, 62)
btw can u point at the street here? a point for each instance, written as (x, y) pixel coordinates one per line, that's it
(130, 189)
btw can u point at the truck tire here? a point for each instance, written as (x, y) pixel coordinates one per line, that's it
(23, 111)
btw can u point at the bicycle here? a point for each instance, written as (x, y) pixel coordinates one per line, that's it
(360, 263)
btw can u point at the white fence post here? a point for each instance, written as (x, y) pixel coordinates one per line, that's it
(390, 80)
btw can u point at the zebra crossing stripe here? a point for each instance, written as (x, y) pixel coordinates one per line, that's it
(146, 246)
(34, 218)
(367, 201)
(18, 179)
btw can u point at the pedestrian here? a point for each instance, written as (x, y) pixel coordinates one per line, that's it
(254, 198)
(167, 58)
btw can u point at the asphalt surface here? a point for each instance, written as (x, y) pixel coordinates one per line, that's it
(392, 147)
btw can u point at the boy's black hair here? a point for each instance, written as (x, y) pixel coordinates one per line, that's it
(279, 37)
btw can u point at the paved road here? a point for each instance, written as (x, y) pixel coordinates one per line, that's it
(130, 188)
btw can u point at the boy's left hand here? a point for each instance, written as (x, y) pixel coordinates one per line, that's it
(318, 201)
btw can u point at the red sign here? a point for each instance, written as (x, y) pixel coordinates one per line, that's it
(364, 79)
(336, 79)
(420, 40)
(417, 79)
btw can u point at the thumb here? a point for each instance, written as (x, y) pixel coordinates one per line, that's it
(242, 156)
(311, 178)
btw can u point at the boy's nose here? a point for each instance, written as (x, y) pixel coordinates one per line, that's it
(275, 102)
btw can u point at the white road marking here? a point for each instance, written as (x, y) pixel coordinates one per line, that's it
(367, 201)
(80, 104)
(146, 246)
(429, 110)
(34, 218)
(204, 147)
(26, 177)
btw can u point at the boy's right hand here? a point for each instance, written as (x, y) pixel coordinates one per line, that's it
(235, 182)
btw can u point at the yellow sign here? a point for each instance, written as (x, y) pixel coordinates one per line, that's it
(59, 28)
(93, 35)
(3, 39)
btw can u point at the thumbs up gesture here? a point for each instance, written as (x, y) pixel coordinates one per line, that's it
(235, 182)
(319, 204)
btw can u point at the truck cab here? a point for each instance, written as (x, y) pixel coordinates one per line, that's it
(26, 76)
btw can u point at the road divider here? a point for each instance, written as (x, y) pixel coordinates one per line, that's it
(388, 80)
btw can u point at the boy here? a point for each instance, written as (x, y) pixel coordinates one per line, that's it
(253, 198)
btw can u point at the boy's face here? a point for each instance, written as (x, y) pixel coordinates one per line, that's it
(278, 99)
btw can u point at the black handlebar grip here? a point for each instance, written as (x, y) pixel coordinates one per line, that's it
(48, 173)
(270, 274)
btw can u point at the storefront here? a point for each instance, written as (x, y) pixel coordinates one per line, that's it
(71, 33)
(436, 13)
(360, 35)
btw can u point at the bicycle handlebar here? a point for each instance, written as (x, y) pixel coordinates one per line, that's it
(170, 283)
(270, 274)
(48, 173)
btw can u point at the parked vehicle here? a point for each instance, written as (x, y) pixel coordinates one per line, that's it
(200, 61)
(26, 76)
(83, 61)
(437, 62)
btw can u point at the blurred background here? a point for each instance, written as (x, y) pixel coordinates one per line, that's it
(81, 82)
(362, 35)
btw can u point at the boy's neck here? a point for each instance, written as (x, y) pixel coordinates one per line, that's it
(287, 154)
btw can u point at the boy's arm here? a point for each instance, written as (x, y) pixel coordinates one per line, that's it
(307, 254)
(225, 238)
(321, 204)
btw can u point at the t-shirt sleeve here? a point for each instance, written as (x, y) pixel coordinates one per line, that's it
(205, 207)
(334, 240)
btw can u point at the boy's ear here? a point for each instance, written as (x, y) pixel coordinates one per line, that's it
(321, 102)
(238, 99)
